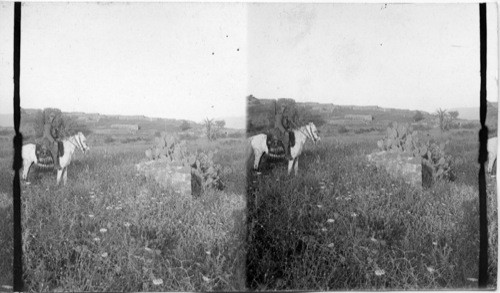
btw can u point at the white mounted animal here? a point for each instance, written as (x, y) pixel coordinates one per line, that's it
(70, 144)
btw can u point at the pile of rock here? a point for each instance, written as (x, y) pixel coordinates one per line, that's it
(172, 166)
(399, 165)
(403, 155)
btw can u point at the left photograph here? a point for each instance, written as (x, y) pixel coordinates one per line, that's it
(134, 171)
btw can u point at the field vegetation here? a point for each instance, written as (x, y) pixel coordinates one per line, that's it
(112, 229)
(343, 224)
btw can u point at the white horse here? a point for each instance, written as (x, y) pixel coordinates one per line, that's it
(492, 152)
(259, 145)
(72, 143)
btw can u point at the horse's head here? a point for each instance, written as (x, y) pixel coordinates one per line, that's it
(313, 132)
(81, 142)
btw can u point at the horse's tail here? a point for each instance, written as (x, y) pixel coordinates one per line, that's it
(248, 146)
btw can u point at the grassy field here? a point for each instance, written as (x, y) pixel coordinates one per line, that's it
(343, 224)
(6, 220)
(111, 229)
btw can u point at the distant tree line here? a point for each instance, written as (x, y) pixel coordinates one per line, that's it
(32, 124)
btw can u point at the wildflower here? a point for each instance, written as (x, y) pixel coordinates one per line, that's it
(103, 230)
(431, 270)
(206, 279)
(379, 272)
(373, 239)
(208, 252)
(157, 282)
(127, 224)
(331, 245)
(97, 239)
(324, 229)
(434, 243)
(319, 206)
(330, 220)
(104, 254)
(91, 216)
(354, 215)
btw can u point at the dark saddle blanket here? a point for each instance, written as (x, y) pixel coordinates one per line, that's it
(42, 151)
(275, 142)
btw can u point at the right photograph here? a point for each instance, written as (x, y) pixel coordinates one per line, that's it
(363, 124)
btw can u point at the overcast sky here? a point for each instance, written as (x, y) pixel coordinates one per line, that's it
(411, 56)
(191, 61)
(158, 59)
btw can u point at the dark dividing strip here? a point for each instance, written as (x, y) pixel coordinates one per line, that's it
(17, 164)
(483, 156)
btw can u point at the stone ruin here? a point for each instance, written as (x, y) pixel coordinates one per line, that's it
(399, 165)
(403, 155)
(173, 167)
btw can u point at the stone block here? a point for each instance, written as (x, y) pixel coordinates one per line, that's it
(169, 175)
(399, 165)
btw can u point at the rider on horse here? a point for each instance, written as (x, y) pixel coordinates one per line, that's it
(282, 124)
(50, 136)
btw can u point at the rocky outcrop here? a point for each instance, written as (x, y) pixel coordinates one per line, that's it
(399, 165)
(168, 174)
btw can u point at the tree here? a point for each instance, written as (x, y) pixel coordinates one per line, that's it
(453, 115)
(418, 116)
(185, 125)
(220, 124)
(213, 128)
(444, 119)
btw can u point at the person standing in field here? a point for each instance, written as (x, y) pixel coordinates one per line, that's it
(50, 136)
(281, 123)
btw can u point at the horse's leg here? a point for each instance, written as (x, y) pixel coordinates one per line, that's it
(296, 165)
(59, 175)
(26, 169)
(258, 155)
(290, 166)
(65, 175)
(491, 161)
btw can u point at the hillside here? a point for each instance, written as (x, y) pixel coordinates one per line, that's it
(261, 113)
(334, 119)
(472, 113)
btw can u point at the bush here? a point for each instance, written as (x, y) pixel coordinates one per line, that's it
(418, 116)
(109, 139)
(185, 125)
(342, 129)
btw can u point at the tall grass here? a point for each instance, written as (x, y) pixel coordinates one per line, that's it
(111, 229)
(6, 214)
(344, 224)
